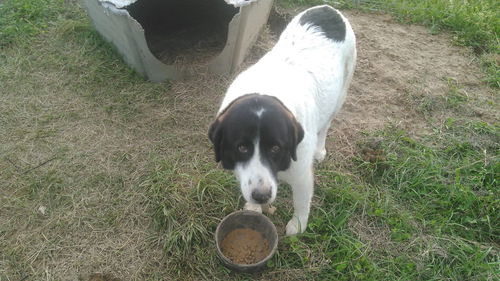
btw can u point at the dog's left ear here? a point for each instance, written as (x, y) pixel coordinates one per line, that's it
(296, 136)
(215, 135)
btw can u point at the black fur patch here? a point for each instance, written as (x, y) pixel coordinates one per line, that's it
(328, 20)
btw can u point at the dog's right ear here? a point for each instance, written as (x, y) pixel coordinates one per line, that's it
(215, 135)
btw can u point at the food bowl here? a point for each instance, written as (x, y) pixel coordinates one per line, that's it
(238, 238)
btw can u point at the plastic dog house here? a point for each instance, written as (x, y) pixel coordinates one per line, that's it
(170, 39)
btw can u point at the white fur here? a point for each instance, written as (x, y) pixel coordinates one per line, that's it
(252, 176)
(310, 74)
(239, 3)
(259, 112)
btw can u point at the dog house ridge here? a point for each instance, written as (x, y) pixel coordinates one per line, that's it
(113, 19)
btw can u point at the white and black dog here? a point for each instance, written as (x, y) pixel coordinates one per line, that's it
(275, 116)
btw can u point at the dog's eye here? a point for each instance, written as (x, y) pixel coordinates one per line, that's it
(275, 149)
(243, 149)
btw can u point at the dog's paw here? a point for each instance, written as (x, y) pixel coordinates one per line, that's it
(296, 226)
(253, 207)
(320, 155)
(239, 3)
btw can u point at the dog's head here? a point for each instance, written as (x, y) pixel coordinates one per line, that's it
(256, 136)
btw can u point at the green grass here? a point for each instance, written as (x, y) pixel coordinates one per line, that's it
(24, 19)
(453, 187)
(448, 192)
(186, 209)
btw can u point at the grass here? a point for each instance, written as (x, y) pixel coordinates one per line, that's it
(24, 19)
(450, 191)
(105, 172)
(452, 187)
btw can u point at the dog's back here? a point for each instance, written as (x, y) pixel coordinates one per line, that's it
(318, 39)
(314, 56)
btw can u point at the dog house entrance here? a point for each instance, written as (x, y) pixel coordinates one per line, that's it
(184, 31)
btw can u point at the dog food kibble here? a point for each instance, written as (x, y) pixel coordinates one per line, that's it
(245, 246)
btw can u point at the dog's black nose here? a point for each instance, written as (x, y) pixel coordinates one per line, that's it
(261, 197)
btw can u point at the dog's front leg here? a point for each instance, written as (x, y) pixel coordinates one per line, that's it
(302, 189)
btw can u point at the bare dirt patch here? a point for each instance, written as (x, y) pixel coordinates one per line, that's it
(399, 68)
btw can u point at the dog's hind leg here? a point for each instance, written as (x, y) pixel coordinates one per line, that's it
(320, 153)
(302, 183)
